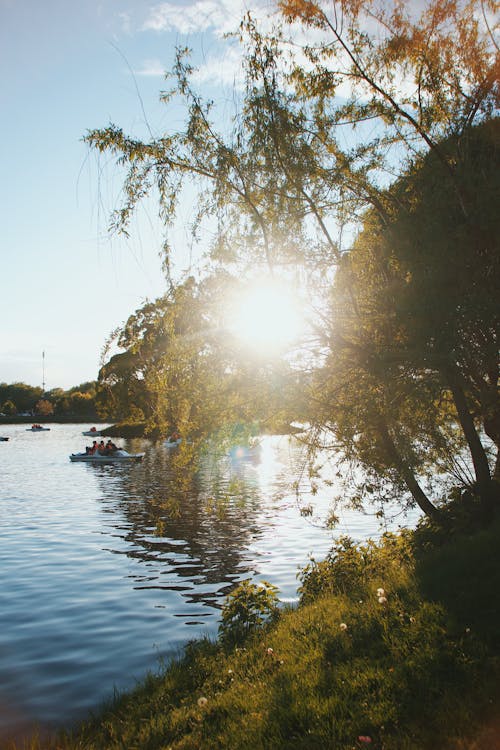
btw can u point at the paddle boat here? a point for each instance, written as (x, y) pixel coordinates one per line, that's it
(92, 431)
(172, 443)
(3, 439)
(37, 428)
(119, 456)
(173, 440)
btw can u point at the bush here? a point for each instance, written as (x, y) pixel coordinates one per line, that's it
(249, 607)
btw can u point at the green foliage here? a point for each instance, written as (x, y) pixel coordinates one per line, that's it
(23, 396)
(350, 568)
(8, 407)
(77, 401)
(247, 609)
(404, 363)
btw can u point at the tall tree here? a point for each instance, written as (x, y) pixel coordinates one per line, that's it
(323, 131)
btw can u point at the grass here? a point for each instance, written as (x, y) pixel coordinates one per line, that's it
(414, 667)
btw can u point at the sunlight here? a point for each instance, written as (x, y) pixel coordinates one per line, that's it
(267, 316)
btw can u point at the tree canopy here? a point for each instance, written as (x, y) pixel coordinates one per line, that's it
(362, 162)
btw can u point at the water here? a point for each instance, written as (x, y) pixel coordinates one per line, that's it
(107, 569)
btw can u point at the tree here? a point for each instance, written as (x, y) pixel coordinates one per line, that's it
(44, 408)
(310, 161)
(9, 408)
(182, 367)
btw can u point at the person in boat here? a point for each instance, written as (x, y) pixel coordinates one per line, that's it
(93, 429)
(101, 448)
(110, 448)
(94, 448)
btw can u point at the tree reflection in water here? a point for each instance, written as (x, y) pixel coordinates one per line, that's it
(190, 518)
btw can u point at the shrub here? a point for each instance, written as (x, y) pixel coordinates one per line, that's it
(249, 607)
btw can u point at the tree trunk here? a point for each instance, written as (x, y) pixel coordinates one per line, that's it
(406, 472)
(492, 429)
(476, 448)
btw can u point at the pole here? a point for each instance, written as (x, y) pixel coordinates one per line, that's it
(43, 371)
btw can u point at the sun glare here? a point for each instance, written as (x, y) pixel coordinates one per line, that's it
(267, 316)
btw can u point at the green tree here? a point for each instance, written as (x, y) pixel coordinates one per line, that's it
(314, 147)
(182, 366)
(22, 395)
(9, 408)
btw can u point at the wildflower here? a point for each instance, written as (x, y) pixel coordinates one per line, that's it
(202, 702)
(467, 630)
(343, 626)
(412, 619)
(230, 671)
(270, 652)
(365, 739)
(380, 592)
(382, 600)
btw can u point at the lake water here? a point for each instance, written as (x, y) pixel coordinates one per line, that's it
(107, 569)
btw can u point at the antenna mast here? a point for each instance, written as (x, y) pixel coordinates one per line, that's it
(43, 371)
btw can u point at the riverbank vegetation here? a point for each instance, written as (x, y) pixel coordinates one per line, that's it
(393, 645)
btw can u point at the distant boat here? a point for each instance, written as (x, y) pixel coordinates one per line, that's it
(37, 428)
(119, 456)
(3, 439)
(172, 443)
(92, 431)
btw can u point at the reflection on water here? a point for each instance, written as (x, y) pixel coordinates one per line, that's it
(106, 568)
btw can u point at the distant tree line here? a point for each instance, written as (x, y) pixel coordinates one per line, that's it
(17, 399)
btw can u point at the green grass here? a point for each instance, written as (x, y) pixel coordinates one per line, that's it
(419, 671)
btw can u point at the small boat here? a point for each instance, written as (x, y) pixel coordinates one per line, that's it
(119, 456)
(37, 428)
(3, 439)
(91, 432)
(172, 443)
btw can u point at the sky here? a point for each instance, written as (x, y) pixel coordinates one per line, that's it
(67, 67)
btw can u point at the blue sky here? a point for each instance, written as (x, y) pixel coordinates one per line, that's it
(66, 67)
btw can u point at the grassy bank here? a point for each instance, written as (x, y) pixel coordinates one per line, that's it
(393, 646)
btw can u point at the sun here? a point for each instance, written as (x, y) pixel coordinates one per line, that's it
(267, 316)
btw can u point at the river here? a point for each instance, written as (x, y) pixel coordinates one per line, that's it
(107, 571)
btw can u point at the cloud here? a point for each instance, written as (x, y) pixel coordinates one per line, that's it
(220, 16)
(151, 68)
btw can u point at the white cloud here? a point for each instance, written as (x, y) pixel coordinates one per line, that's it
(223, 69)
(151, 68)
(220, 16)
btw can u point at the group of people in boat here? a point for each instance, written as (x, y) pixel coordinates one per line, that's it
(174, 437)
(36, 426)
(101, 449)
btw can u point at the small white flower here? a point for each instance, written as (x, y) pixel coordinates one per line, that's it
(343, 626)
(380, 592)
(382, 600)
(202, 702)
(270, 651)
(230, 671)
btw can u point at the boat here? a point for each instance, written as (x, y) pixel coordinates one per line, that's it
(3, 439)
(37, 428)
(119, 456)
(172, 443)
(91, 432)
